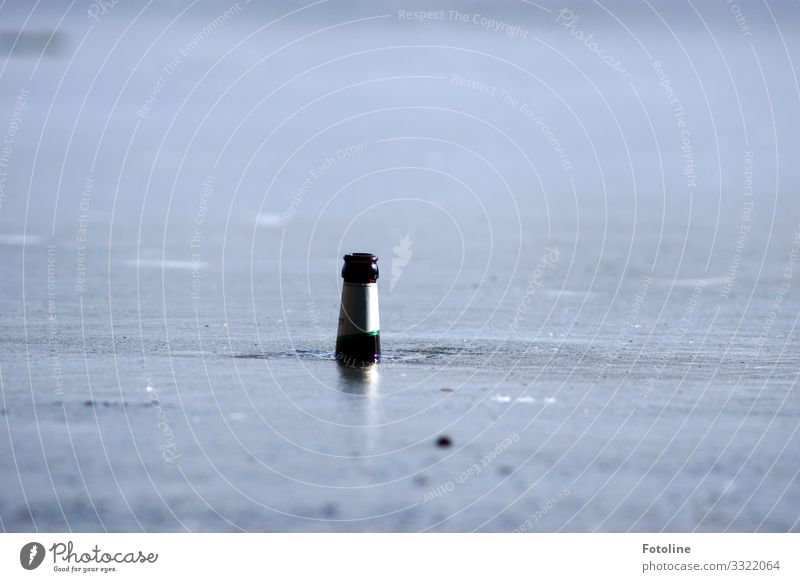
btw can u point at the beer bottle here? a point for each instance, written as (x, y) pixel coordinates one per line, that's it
(358, 341)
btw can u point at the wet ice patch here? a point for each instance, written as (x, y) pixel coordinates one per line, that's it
(191, 353)
(567, 292)
(505, 399)
(501, 398)
(271, 220)
(170, 264)
(22, 43)
(728, 487)
(698, 282)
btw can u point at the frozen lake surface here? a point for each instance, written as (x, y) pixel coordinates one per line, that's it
(588, 224)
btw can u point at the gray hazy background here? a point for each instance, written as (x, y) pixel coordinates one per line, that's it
(588, 223)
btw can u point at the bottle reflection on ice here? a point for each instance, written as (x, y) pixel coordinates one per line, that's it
(358, 341)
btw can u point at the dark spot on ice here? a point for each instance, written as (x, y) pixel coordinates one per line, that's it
(24, 515)
(442, 351)
(104, 403)
(330, 510)
(420, 480)
(18, 43)
(444, 442)
(300, 354)
(505, 470)
(422, 355)
(447, 389)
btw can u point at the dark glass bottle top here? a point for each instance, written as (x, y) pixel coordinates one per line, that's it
(360, 268)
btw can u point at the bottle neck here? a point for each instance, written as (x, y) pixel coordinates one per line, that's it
(359, 313)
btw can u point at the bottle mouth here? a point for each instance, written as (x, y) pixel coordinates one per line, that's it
(360, 268)
(360, 258)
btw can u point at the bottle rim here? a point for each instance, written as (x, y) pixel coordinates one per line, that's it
(360, 258)
(360, 268)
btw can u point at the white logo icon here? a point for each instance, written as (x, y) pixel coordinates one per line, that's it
(402, 255)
